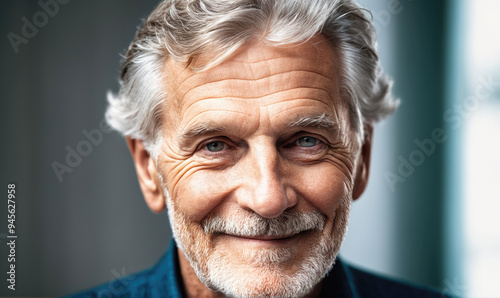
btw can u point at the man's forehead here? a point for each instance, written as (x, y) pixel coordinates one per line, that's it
(255, 61)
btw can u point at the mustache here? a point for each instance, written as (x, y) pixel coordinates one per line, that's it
(247, 224)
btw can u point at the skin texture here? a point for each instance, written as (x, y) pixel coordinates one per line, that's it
(237, 141)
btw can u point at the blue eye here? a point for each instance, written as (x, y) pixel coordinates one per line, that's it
(215, 146)
(306, 142)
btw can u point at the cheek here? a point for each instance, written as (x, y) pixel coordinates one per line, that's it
(198, 191)
(323, 186)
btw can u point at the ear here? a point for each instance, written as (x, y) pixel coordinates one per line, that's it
(147, 174)
(363, 168)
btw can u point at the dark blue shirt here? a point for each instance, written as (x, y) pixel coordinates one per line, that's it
(164, 280)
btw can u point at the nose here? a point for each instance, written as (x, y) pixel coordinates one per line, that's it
(264, 191)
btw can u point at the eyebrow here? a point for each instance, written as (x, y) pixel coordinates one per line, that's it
(201, 129)
(323, 122)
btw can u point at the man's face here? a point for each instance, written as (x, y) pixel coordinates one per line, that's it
(259, 161)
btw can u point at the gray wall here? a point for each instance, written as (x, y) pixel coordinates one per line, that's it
(93, 226)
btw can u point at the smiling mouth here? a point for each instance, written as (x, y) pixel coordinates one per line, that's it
(269, 238)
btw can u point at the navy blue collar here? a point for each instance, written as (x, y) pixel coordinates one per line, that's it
(167, 275)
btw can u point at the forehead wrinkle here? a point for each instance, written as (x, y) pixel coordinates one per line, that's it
(232, 80)
(234, 69)
(174, 71)
(254, 78)
(261, 61)
(243, 98)
(303, 91)
(173, 74)
(226, 68)
(302, 106)
(298, 97)
(258, 51)
(199, 100)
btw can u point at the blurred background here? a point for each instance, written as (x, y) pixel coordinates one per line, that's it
(430, 214)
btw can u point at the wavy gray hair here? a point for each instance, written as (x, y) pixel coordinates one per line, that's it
(186, 29)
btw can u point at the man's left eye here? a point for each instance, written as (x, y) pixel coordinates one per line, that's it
(307, 142)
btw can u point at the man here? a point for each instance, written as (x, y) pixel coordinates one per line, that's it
(250, 121)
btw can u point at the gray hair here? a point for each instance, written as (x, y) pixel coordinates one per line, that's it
(186, 29)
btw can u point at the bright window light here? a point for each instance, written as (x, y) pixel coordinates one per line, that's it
(482, 204)
(482, 151)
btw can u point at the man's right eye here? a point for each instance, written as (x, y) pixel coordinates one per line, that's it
(215, 146)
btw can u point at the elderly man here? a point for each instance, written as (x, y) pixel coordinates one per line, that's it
(250, 121)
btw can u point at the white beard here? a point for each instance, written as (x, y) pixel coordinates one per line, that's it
(263, 276)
